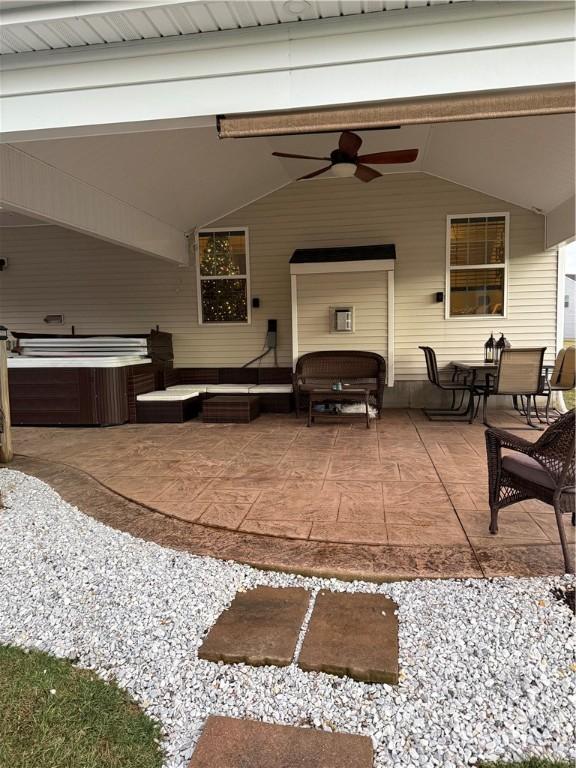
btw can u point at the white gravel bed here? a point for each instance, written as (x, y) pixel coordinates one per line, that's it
(487, 666)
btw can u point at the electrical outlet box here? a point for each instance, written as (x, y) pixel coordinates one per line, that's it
(342, 319)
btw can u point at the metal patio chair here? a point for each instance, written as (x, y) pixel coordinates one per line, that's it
(543, 470)
(562, 378)
(520, 375)
(453, 386)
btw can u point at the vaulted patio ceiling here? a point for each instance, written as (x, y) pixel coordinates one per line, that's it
(117, 137)
(189, 177)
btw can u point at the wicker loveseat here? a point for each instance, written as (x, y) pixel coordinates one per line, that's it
(358, 368)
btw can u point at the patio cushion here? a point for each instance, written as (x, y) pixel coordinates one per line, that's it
(528, 469)
(187, 388)
(229, 389)
(164, 395)
(271, 389)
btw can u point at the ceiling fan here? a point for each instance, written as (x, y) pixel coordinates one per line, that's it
(347, 162)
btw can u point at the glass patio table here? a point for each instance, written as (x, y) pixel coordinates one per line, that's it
(482, 368)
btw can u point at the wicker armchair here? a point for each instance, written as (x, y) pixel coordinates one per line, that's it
(364, 369)
(542, 470)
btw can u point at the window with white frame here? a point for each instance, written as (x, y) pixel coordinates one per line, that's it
(223, 276)
(476, 265)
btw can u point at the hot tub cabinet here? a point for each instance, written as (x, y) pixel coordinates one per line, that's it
(72, 392)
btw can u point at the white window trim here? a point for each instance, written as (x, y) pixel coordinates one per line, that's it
(246, 276)
(504, 266)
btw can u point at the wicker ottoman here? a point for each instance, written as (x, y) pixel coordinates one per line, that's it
(230, 409)
(163, 407)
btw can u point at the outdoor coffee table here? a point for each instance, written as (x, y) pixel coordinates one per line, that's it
(347, 395)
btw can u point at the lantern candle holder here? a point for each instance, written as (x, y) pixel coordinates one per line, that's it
(490, 351)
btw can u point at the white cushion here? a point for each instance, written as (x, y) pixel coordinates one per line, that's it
(163, 395)
(187, 388)
(229, 389)
(271, 389)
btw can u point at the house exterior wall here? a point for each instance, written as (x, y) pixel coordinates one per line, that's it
(367, 292)
(101, 288)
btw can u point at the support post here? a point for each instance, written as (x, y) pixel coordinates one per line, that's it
(6, 452)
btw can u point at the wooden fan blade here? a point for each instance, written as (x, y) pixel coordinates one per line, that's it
(366, 174)
(349, 143)
(300, 157)
(395, 156)
(315, 173)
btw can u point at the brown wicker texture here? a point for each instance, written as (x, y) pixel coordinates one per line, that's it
(140, 380)
(359, 368)
(554, 453)
(198, 375)
(163, 412)
(171, 377)
(274, 375)
(238, 375)
(233, 409)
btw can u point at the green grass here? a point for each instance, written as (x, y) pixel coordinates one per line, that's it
(533, 762)
(85, 723)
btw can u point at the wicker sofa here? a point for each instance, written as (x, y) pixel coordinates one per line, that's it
(358, 368)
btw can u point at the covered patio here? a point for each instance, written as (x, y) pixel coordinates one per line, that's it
(407, 499)
(142, 176)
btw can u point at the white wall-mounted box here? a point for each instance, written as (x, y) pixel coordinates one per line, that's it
(342, 319)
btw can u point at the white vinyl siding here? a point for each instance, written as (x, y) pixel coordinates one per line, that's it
(101, 288)
(367, 292)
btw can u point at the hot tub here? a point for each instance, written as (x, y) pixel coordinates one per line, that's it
(71, 390)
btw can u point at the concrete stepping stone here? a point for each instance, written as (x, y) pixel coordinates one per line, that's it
(261, 626)
(354, 635)
(229, 743)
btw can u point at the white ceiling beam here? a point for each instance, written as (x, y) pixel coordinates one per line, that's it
(109, 129)
(561, 223)
(426, 51)
(31, 187)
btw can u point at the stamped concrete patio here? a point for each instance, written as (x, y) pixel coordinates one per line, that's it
(406, 498)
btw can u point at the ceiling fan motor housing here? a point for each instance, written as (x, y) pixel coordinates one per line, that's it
(338, 156)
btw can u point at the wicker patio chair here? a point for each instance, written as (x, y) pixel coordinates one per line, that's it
(519, 374)
(452, 386)
(542, 470)
(563, 377)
